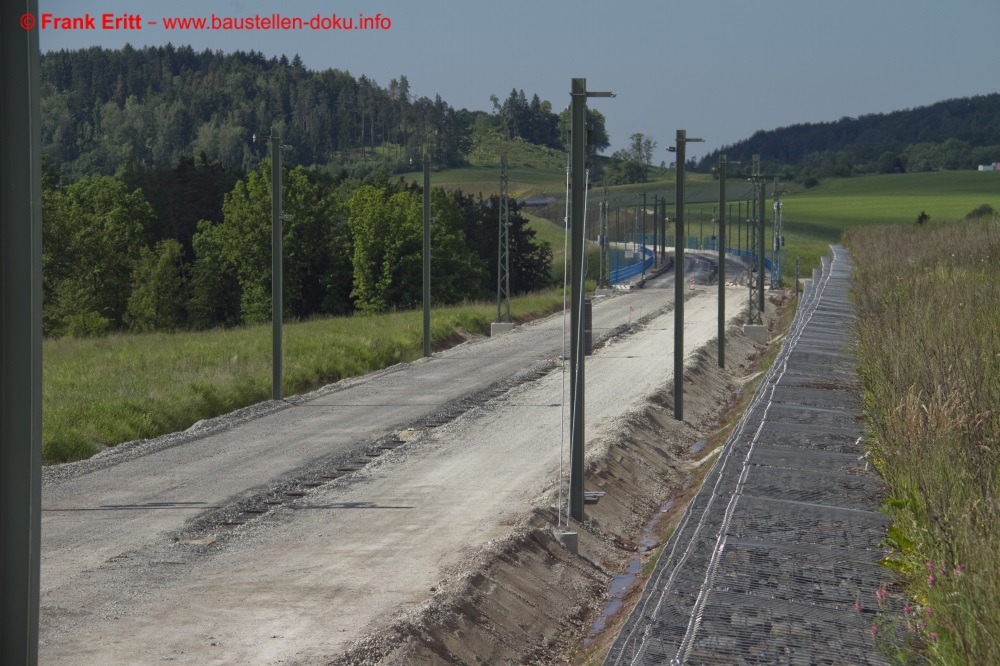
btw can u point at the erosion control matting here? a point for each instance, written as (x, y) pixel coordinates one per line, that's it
(776, 560)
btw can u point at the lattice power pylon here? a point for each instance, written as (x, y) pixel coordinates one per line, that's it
(604, 278)
(754, 314)
(503, 249)
(777, 252)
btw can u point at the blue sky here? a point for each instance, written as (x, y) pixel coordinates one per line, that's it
(721, 69)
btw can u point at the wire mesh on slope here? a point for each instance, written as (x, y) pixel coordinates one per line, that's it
(774, 555)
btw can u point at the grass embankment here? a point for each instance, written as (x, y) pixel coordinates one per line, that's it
(103, 391)
(555, 236)
(928, 301)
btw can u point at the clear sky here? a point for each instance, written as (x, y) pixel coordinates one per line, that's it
(721, 69)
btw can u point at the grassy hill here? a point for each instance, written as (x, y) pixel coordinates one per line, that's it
(523, 181)
(530, 180)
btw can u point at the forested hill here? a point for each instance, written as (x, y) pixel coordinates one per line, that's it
(156, 200)
(954, 134)
(105, 108)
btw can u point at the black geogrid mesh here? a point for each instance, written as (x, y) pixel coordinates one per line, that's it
(779, 546)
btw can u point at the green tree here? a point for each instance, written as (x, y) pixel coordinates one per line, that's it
(157, 299)
(373, 218)
(599, 140)
(387, 235)
(215, 290)
(181, 195)
(92, 238)
(641, 149)
(530, 260)
(623, 169)
(456, 271)
(314, 251)
(317, 270)
(246, 242)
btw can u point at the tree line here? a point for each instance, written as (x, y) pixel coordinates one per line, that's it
(191, 247)
(953, 134)
(104, 109)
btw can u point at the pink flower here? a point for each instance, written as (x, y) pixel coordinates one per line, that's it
(928, 612)
(959, 569)
(931, 580)
(906, 608)
(933, 637)
(930, 566)
(873, 629)
(857, 606)
(880, 594)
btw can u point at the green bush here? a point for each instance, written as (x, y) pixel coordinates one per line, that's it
(985, 210)
(86, 325)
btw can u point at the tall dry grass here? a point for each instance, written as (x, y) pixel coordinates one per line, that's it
(928, 301)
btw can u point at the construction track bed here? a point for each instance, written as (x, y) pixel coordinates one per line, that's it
(777, 558)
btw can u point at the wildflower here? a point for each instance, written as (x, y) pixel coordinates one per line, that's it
(880, 594)
(857, 606)
(959, 569)
(928, 612)
(933, 637)
(931, 580)
(906, 608)
(930, 566)
(873, 629)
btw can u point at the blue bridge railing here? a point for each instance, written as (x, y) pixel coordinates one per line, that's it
(749, 255)
(628, 272)
(624, 273)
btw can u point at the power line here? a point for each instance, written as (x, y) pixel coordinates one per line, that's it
(503, 249)
(755, 238)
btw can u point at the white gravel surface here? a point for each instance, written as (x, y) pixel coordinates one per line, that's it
(139, 566)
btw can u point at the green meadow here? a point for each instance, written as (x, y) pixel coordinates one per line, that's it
(817, 217)
(101, 391)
